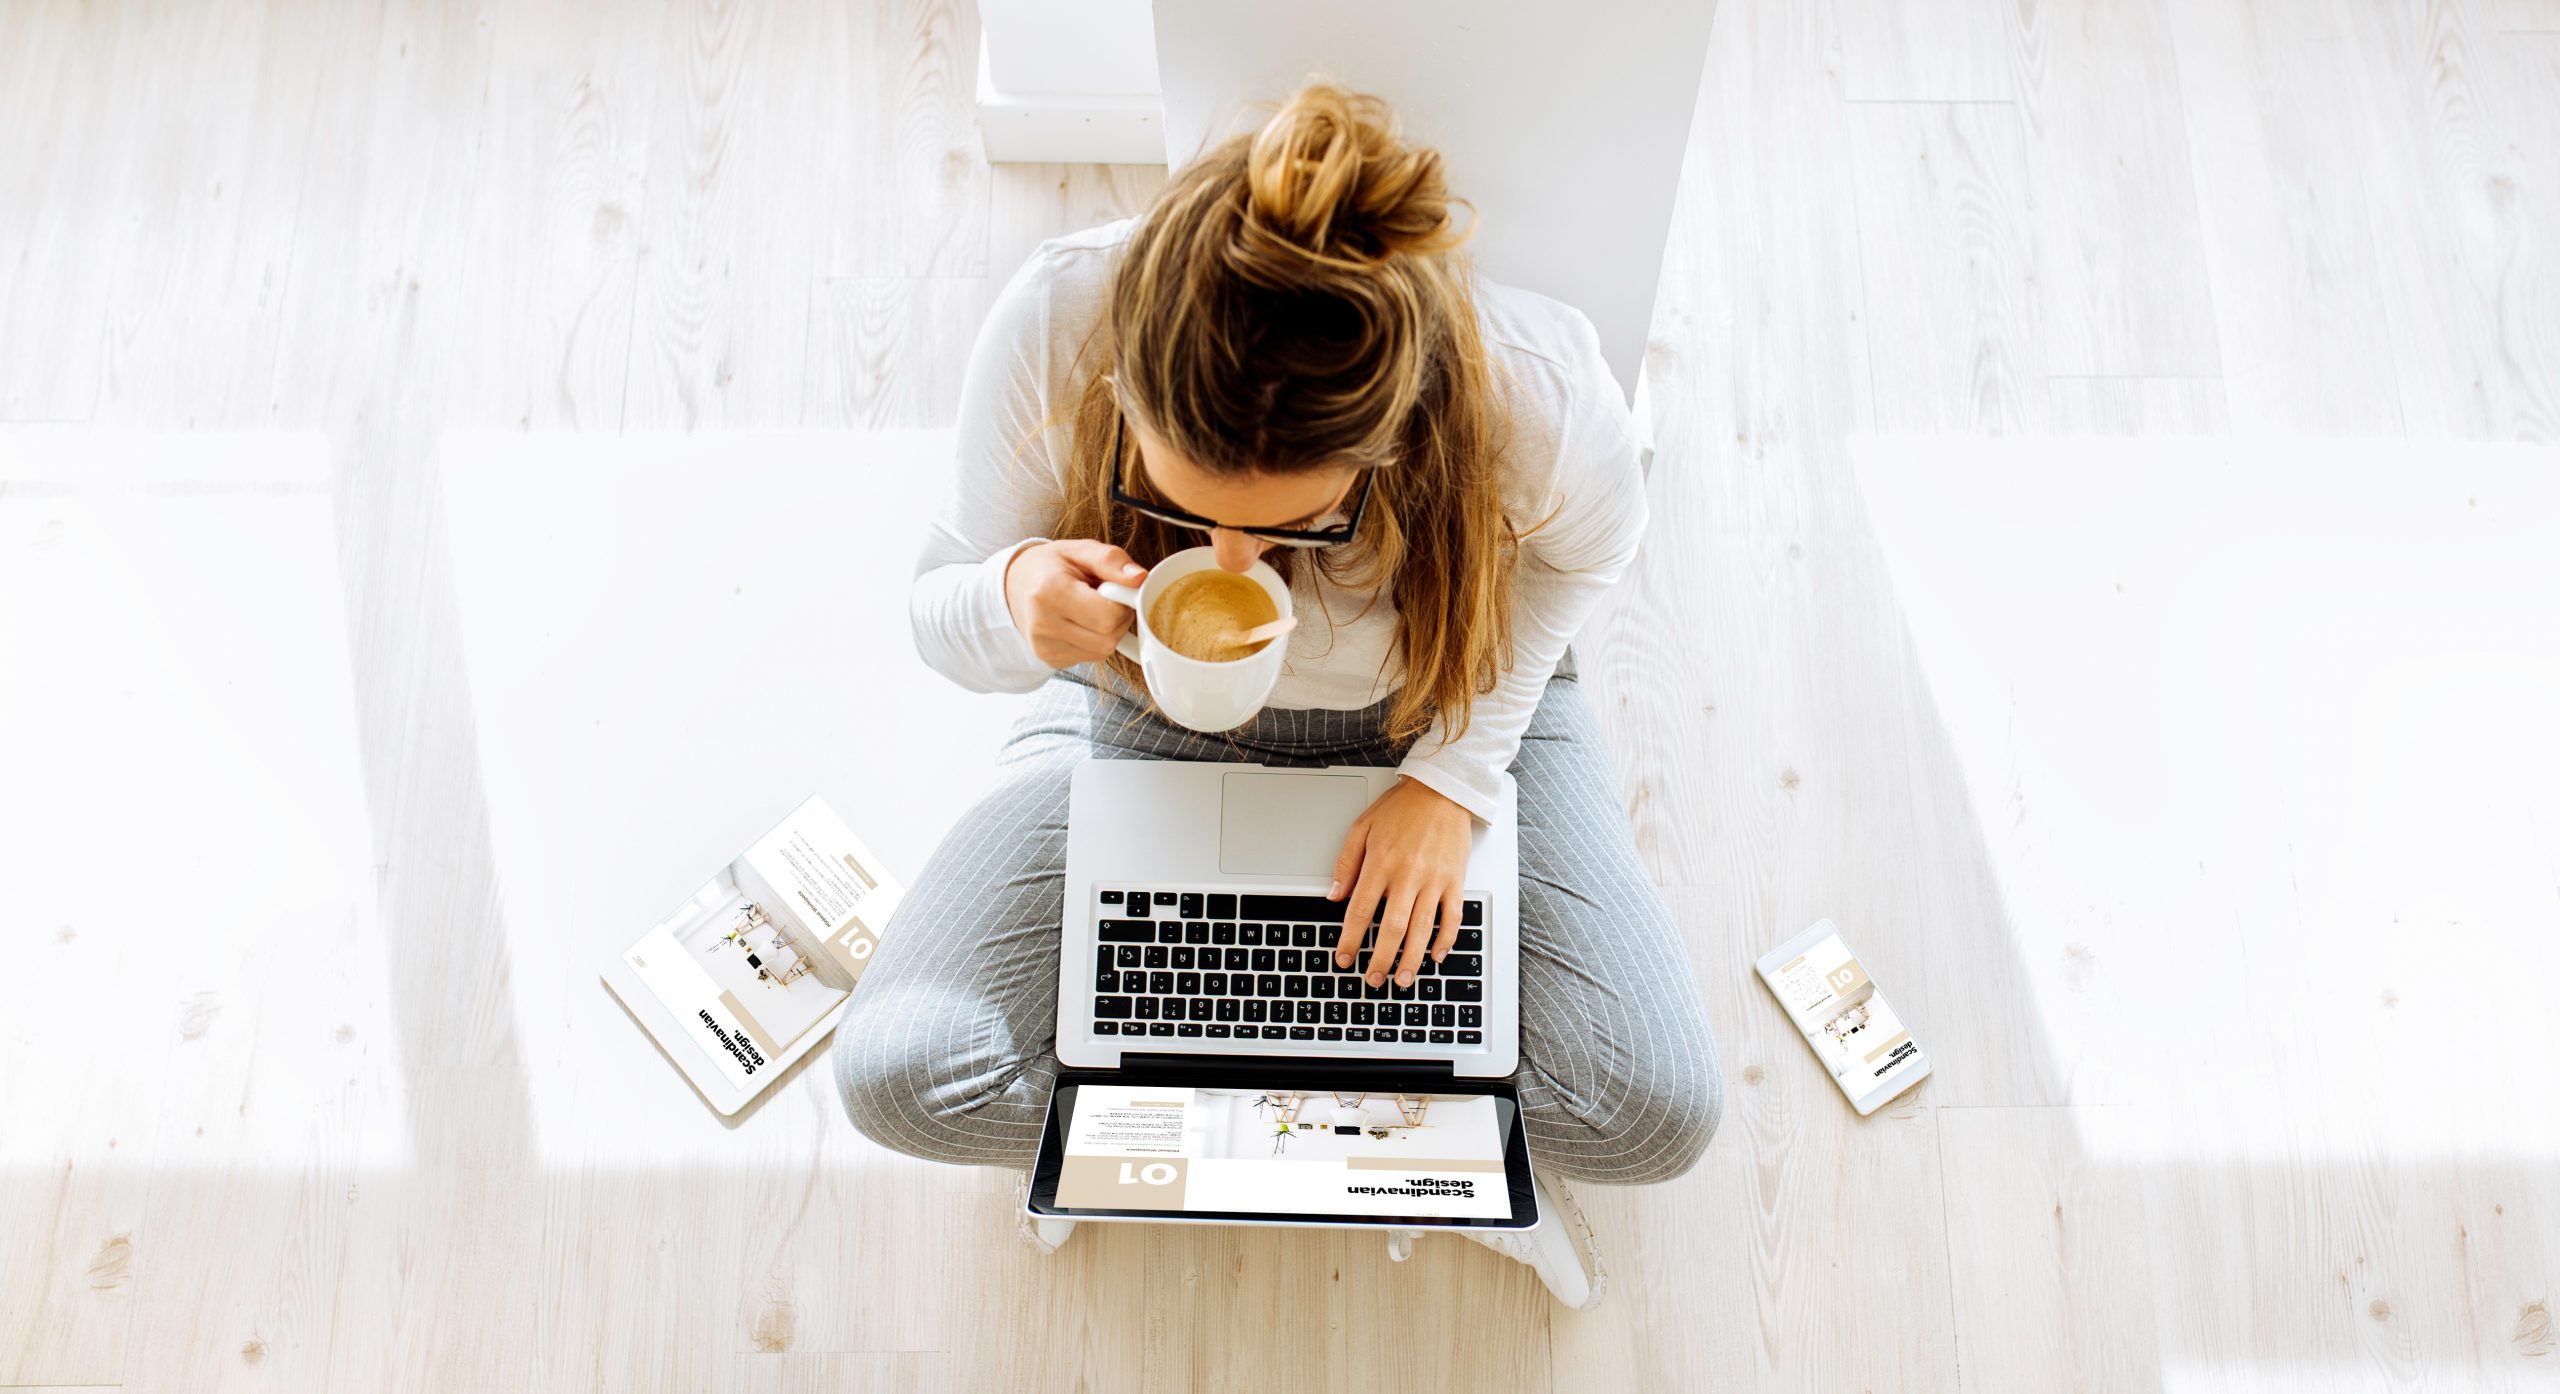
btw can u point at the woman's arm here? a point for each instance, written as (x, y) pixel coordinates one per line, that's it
(1000, 502)
(1598, 513)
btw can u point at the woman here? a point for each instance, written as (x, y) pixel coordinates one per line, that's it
(1287, 341)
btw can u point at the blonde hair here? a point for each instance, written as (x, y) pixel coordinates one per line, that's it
(1294, 299)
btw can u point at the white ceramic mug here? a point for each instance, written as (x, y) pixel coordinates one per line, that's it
(1210, 697)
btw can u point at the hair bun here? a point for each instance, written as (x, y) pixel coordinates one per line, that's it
(1329, 175)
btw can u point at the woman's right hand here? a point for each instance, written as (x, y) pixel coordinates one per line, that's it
(1049, 588)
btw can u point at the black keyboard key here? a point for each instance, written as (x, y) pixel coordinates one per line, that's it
(1375, 992)
(1289, 961)
(1106, 980)
(1174, 1010)
(1202, 1009)
(1427, 966)
(1471, 1038)
(1346, 987)
(1161, 1028)
(1471, 1015)
(1111, 897)
(1266, 961)
(1214, 984)
(1411, 1036)
(1403, 991)
(1158, 956)
(1389, 1014)
(1111, 1006)
(1328, 1033)
(1249, 933)
(1222, 934)
(1126, 931)
(1473, 914)
(1304, 936)
(1229, 1008)
(1188, 984)
(1364, 1013)
(1463, 966)
(1221, 906)
(1239, 961)
(1470, 941)
(1191, 908)
(1356, 1033)
(1266, 984)
(1219, 1031)
(1136, 904)
(1309, 1013)
(1131, 955)
(1428, 989)
(1108, 1028)
(1292, 907)
(1294, 985)
(1196, 932)
(1146, 1009)
(1336, 1013)
(1444, 1038)
(1466, 989)
(1320, 986)
(1255, 1009)
(1275, 1033)
(1161, 984)
(1190, 1028)
(1182, 956)
(1444, 1015)
(1168, 932)
(1302, 1033)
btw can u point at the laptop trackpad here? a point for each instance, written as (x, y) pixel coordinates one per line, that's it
(1286, 824)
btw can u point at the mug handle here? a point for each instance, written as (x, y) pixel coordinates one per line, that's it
(1119, 594)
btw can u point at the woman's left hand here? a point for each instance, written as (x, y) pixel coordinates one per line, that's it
(1405, 863)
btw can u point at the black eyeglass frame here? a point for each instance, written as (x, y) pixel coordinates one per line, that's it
(1286, 537)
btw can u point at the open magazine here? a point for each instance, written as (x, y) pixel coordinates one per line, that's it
(752, 970)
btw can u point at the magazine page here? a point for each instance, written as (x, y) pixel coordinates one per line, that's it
(756, 962)
(1283, 1153)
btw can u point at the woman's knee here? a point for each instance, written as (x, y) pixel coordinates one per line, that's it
(902, 1089)
(1649, 1123)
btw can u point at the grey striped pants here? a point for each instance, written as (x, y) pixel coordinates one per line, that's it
(948, 1052)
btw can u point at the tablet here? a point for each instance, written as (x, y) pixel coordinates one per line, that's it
(1288, 1147)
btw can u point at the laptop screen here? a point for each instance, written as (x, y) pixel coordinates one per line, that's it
(1172, 1150)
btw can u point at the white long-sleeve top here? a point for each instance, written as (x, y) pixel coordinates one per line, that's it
(1571, 482)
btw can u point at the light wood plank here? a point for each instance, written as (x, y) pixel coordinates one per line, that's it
(719, 327)
(543, 335)
(61, 191)
(207, 215)
(388, 197)
(922, 207)
(1950, 284)
(1924, 50)
(2053, 1279)
(2120, 254)
(2305, 344)
(2138, 406)
(2472, 310)
(839, 1374)
(2527, 16)
(889, 352)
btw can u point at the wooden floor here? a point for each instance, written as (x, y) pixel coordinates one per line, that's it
(2094, 563)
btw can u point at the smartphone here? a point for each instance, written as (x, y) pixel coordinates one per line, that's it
(1852, 1030)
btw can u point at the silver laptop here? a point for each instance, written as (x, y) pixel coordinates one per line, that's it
(1196, 924)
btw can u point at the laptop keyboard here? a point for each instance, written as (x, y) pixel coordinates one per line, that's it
(1215, 965)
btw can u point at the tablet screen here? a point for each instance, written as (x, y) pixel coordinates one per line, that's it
(1298, 1154)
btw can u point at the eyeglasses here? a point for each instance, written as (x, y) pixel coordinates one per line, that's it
(1327, 532)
